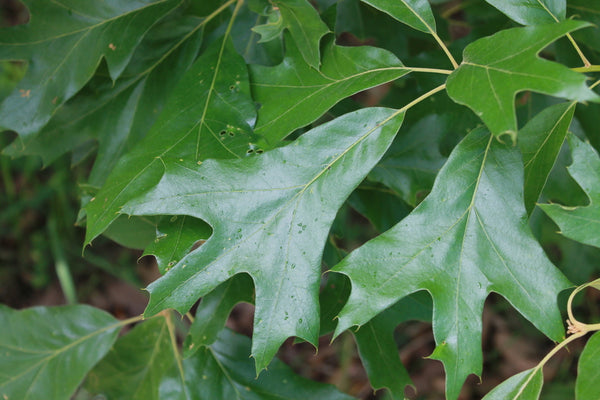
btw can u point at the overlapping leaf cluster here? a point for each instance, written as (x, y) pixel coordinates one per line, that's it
(237, 131)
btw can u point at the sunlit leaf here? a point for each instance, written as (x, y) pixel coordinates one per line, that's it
(415, 13)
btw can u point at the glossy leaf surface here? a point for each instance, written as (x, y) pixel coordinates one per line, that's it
(526, 385)
(78, 33)
(290, 197)
(581, 223)
(134, 367)
(42, 343)
(117, 115)
(292, 94)
(586, 386)
(305, 26)
(540, 142)
(497, 67)
(175, 237)
(210, 114)
(532, 12)
(415, 13)
(468, 238)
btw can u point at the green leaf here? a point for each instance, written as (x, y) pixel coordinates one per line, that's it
(209, 114)
(79, 34)
(495, 68)
(39, 345)
(581, 223)
(587, 11)
(305, 26)
(415, 13)
(379, 205)
(526, 385)
(468, 238)
(224, 371)
(135, 233)
(132, 102)
(134, 367)
(412, 163)
(270, 218)
(292, 94)
(586, 386)
(272, 29)
(174, 238)
(214, 309)
(532, 12)
(540, 141)
(378, 349)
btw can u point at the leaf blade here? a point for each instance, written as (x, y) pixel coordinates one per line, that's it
(453, 246)
(280, 190)
(495, 68)
(43, 342)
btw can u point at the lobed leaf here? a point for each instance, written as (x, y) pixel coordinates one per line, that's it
(305, 26)
(270, 218)
(209, 114)
(292, 94)
(580, 223)
(42, 343)
(497, 67)
(79, 34)
(468, 238)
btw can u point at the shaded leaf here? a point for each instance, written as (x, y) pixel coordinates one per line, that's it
(42, 343)
(174, 238)
(468, 238)
(213, 310)
(532, 12)
(209, 114)
(495, 68)
(540, 141)
(134, 367)
(378, 349)
(586, 385)
(526, 385)
(413, 161)
(270, 218)
(224, 371)
(581, 223)
(415, 13)
(587, 11)
(292, 94)
(117, 115)
(79, 33)
(379, 205)
(305, 26)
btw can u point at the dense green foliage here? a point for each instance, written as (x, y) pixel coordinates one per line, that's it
(228, 135)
